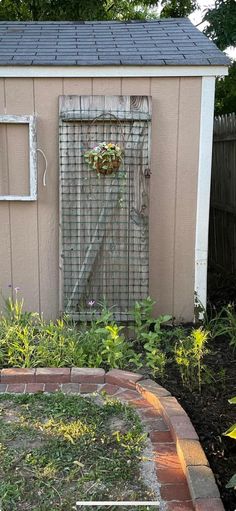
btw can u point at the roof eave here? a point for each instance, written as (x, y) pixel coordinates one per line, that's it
(135, 71)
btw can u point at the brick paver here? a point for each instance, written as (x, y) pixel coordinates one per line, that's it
(209, 505)
(181, 427)
(124, 379)
(129, 395)
(34, 387)
(201, 482)
(87, 388)
(110, 389)
(180, 506)
(52, 387)
(87, 375)
(18, 388)
(175, 492)
(160, 436)
(52, 375)
(191, 453)
(70, 388)
(17, 375)
(171, 475)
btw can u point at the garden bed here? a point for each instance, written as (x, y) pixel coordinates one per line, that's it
(211, 414)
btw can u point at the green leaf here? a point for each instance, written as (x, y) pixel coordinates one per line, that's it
(231, 432)
(232, 482)
(232, 401)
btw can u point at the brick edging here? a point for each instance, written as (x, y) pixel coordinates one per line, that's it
(203, 489)
(202, 486)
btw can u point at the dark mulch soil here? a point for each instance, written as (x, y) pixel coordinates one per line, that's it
(211, 415)
(221, 287)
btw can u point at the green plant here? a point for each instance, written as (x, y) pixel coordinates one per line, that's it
(27, 340)
(215, 323)
(115, 348)
(13, 308)
(143, 316)
(231, 432)
(58, 344)
(104, 158)
(230, 324)
(155, 358)
(222, 323)
(189, 354)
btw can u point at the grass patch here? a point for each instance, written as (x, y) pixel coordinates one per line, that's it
(57, 449)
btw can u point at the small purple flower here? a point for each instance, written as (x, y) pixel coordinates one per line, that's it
(91, 303)
(17, 289)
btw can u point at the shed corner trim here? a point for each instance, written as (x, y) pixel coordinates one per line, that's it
(204, 186)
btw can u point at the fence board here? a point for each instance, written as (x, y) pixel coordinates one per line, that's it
(222, 231)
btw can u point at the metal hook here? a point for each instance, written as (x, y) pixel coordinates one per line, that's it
(46, 165)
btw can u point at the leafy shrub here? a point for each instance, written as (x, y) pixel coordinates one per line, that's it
(27, 340)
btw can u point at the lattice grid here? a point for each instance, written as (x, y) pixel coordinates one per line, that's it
(104, 219)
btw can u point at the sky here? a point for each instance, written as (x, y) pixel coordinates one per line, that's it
(197, 16)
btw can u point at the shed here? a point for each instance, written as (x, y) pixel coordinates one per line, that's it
(69, 235)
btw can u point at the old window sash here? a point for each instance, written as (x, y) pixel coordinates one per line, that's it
(31, 121)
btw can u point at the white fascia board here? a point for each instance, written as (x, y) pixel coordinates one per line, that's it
(109, 71)
(204, 187)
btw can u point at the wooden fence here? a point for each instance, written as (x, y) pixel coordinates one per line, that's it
(222, 229)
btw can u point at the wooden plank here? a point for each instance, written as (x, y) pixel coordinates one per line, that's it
(5, 231)
(89, 116)
(4, 177)
(186, 195)
(46, 106)
(165, 107)
(106, 87)
(24, 232)
(136, 86)
(75, 86)
(224, 207)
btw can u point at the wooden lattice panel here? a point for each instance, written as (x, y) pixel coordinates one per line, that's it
(104, 219)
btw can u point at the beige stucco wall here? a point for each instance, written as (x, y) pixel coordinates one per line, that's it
(29, 247)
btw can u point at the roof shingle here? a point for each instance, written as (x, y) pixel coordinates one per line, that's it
(166, 41)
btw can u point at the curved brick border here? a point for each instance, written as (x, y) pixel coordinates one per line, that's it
(187, 482)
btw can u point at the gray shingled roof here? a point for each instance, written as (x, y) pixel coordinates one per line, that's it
(162, 42)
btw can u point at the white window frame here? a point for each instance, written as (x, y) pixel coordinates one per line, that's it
(31, 121)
